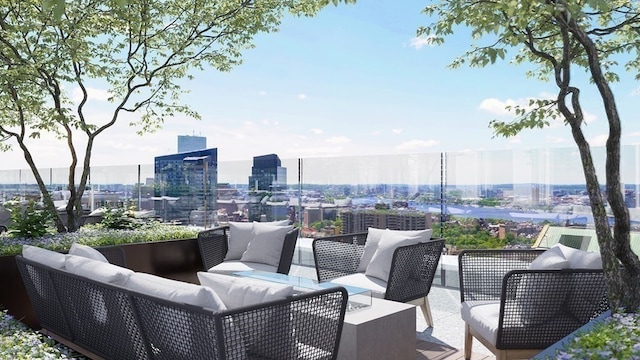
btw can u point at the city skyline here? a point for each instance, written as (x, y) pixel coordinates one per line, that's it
(352, 81)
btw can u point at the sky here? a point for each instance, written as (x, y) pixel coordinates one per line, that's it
(354, 80)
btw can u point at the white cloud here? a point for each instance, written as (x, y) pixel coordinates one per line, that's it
(498, 107)
(515, 140)
(420, 41)
(599, 140)
(555, 140)
(417, 144)
(376, 132)
(302, 96)
(316, 131)
(396, 131)
(338, 140)
(92, 94)
(262, 93)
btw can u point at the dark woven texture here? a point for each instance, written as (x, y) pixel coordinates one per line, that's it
(213, 244)
(115, 323)
(413, 267)
(114, 254)
(537, 307)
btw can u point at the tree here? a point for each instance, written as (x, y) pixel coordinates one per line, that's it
(138, 50)
(559, 37)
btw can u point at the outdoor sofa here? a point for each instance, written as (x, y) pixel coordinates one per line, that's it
(107, 311)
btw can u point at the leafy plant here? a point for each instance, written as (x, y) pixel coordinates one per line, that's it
(19, 342)
(30, 221)
(119, 218)
(617, 337)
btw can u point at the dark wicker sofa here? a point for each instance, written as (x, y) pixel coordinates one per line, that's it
(515, 311)
(103, 320)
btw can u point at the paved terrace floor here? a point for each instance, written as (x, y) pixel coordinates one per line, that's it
(445, 341)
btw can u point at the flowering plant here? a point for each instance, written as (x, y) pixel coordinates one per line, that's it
(19, 342)
(615, 337)
(95, 235)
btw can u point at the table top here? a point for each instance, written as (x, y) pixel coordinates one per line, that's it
(299, 282)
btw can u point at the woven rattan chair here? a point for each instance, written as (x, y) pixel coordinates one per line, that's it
(114, 254)
(412, 271)
(214, 243)
(516, 312)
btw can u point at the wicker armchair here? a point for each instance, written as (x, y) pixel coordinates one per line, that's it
(516, 312)
(214, 243)
(412, 271)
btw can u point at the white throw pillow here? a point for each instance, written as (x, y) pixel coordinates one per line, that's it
(97, 270)
(580, 259)
(240, 233)
(237, 291)
(47, 257)
(177, 291)
(87, 251)
(380, 264)
(552, 259)
(373, 238)
(266, 245)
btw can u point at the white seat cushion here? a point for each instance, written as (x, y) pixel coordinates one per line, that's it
(580, 259)
(97, 270)
(177, 291)
(266, 245)
(240, 233)
(483, 317)
(47, 257)
(237, 291)
(380, 264)
(230, 267)
(87, 251)
(373, 238)
(378, 287)
(552, 259)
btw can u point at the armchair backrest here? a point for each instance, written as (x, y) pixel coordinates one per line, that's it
(481, 272)
(412, 270)
(338, 255)
(288, 248)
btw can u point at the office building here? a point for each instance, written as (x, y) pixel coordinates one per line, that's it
(187, 143)
(186, 187)
(267, 174)
(357, 221)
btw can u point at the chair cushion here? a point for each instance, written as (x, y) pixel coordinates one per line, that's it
(483, 317)
(580, 259)
(550, 259)
(378, 287)
(380, 263)
(266, 245)
(237, 291)
(87, 251)
(47, 257)
(97, 270)
(233, 266)
(240, 233)
(373, 238)
(230, 267)
(177, 291)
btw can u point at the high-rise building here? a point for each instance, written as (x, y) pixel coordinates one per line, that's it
(188, 143)
(267, 174)
(186, 186)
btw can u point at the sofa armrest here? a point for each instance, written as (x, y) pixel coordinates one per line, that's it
(338, 255)
(213, 245)
(540, 307)
(481, 272)
(288, 248)
(114, 254)
(412, 270)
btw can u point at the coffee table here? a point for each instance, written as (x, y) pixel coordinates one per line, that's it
(373, 328)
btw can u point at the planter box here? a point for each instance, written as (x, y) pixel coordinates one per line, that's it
(550, 352)
(174, 259)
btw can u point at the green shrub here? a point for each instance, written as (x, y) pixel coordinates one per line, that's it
(119, 218)
(30, 221)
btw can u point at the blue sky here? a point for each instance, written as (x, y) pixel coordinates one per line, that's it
(353, 80)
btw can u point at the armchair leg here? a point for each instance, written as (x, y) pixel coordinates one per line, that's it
(423, 303)
(468, 340)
